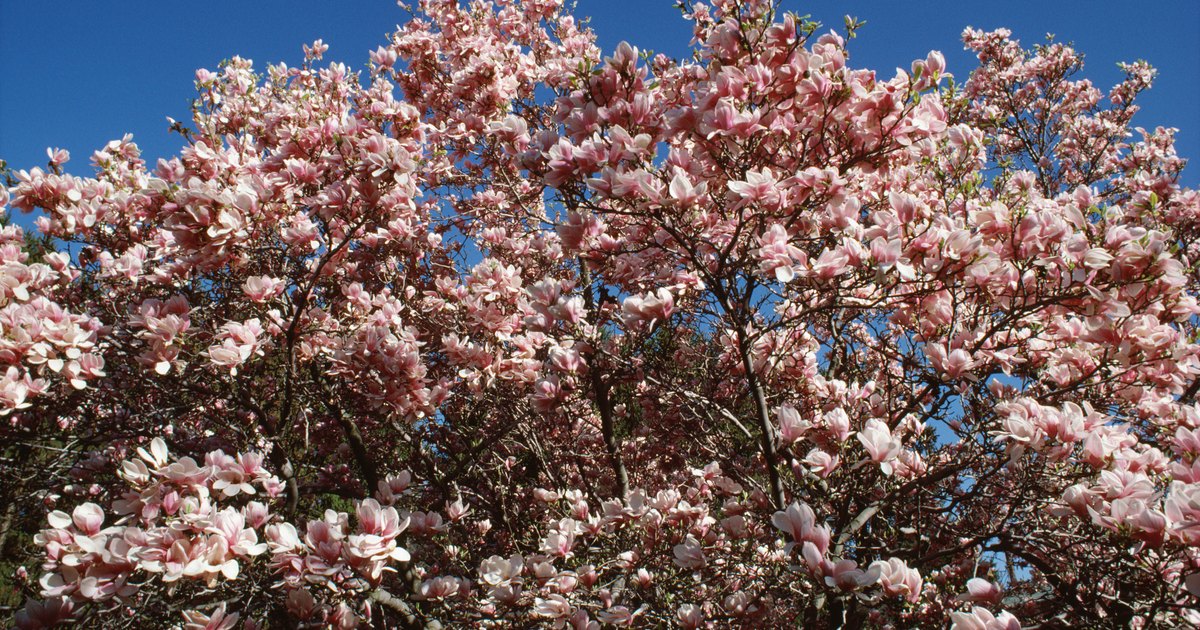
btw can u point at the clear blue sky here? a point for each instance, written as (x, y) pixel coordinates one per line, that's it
(78, 73)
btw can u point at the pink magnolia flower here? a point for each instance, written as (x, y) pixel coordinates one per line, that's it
(262, 288)
(898, 579)
(236, 476)
(777, 256)
(561, 540)
(689, 616)
(982, 619)
(799, 522)
(684, 192)
(283, 538)
(791, 426)
(217, 620)
(553, 607)
(954, 364)
(424, 523)
(848, 577)
(58, 157)
(881, 446)
(256, 514)
(656, 306)
(393, 486)
(759, 187)
(837, 423)
(689, 555)
(821, 462)
(238, 342)
(440, 588)
(157, 455)
(617, 616)
(231, 526)
(457, 510)
(982, 591)
(502, 576)
(87, 519)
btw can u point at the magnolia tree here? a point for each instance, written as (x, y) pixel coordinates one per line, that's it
(504, 332)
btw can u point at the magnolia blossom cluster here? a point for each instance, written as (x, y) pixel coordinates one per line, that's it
(684, 541)
(180, 521)
(42, 344)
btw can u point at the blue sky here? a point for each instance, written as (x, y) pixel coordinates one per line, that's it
(79, 73)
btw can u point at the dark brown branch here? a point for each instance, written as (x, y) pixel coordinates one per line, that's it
(765, 429)
(600, 390)
(354, 437)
